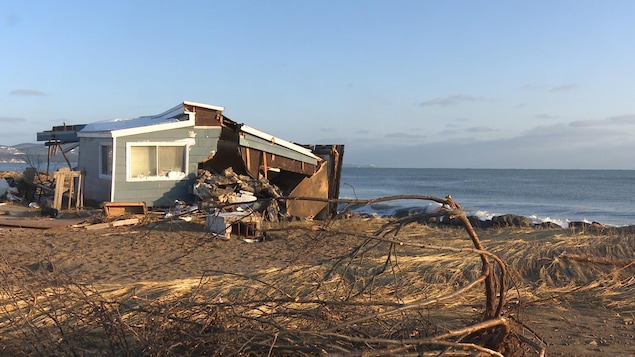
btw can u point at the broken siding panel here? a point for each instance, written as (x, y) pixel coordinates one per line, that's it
(205, 116)
(254, 142)
(227, 155)
(255, 159)
(95, 187)
(206, 146)
(316, 186)
(334, 155)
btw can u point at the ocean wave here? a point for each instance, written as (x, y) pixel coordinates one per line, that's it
(392, 210)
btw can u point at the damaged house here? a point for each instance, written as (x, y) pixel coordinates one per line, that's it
(157, 159)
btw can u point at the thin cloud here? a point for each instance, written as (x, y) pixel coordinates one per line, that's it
(544, 116)
(457, 123)
(11, 135)
(569, 136)
(533, 86)
(362, 131)
(587, 123)
(622, 119)
(545, 130)
(450, 100)
(617, 120)
(480, 129)
(551, 146)
(559, 88)
(448, 132)
(564, 87)
(405, 136)
(26, 92)
(11, 119)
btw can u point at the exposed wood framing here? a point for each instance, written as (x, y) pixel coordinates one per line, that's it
(75, 180)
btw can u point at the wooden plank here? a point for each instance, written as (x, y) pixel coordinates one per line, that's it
(59, 190)
(124, 222)
(39, 223)
(315, 186)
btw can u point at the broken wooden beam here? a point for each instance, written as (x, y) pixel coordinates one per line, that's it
(123, 222)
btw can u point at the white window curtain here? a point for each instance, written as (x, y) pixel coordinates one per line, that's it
(156, 162)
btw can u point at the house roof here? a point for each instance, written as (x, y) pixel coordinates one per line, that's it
(176, 117)
(277, 141)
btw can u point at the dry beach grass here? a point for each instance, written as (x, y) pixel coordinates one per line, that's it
(311, 287)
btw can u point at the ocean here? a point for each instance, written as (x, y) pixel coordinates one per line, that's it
(559, 196)
(19, 167)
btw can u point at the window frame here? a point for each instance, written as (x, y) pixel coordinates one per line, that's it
(102, 174)
(156, 145)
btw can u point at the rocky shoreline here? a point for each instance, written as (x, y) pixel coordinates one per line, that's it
(13, 180)
(502, 221)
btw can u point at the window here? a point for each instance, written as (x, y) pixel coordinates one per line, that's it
(156, 161)
(105, 160)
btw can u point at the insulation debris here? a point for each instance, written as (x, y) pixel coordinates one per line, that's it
(230, 189)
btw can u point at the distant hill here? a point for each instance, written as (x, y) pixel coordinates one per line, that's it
(33, 153)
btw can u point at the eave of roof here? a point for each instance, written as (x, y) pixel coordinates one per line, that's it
(176, 117)
(208, 106)
(277, 141)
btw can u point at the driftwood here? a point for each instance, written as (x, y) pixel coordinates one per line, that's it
(333, 307)
(596, 260)
(123, 222)
(39, 223)
(493, 328)
(452, 210)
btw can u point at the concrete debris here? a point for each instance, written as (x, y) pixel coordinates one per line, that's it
(230, 191)
(181, 210)
(244, 224)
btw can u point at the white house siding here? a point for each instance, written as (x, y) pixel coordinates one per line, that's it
(95, 188)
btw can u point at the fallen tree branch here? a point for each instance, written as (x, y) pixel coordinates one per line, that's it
(422, 303)
(596, 260)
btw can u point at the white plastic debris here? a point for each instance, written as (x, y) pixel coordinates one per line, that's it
(4, 186)
(12, 194)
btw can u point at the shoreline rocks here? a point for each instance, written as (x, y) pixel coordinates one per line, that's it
(500, 221)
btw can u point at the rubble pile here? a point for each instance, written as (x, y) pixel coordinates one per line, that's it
(9, 190)
(230, 190)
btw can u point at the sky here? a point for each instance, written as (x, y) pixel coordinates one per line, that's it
(434, 84)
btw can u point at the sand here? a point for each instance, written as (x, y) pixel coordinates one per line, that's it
(576, 307)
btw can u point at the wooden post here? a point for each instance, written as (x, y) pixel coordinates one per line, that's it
(59, 190)
(71, 189)
(248, 154)
(264, 165)
(79, 200)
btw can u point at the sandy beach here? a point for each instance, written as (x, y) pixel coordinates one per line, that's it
(569, 291)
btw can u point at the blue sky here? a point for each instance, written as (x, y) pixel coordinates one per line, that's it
(466, 84)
